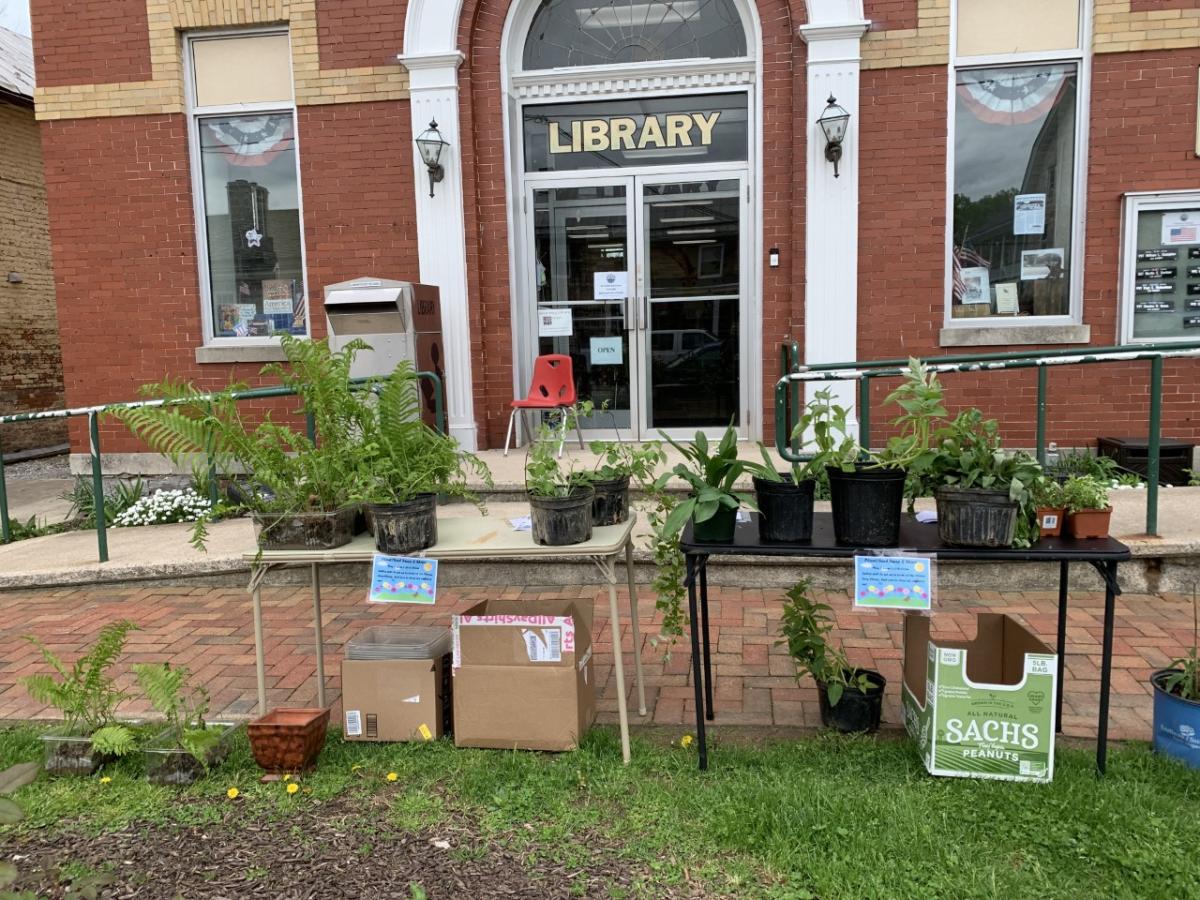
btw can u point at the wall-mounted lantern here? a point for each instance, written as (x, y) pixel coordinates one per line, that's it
(431, 144)
(833, 122)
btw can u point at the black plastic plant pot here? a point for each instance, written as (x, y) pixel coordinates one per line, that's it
(306, 531)
(969, 517)
(855, 712)
(786, 509)
(562, 521)
(405, 527)
(718, 529)
(610, 504)
(866, 506)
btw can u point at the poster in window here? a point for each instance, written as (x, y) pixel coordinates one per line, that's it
(1181, 227)
(555, 323)
(1039, 264)
(1029, 214)
(610, 285)
(712, 261)
(1007, 303)
(277, 297)
(228, 314)
(976, 286)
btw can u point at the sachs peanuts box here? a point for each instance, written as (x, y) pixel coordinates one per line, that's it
(981, 708)
(523, 674)
(394, 699)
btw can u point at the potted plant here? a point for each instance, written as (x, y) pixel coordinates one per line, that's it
(851, 699)
(1051, 508)
(189, 746)
(785, 499)
(406, 464)
(1086, 501)
(288, 740)
(1177, 702)
(986, 494)
(560, 497)
(87, 698)
(712, 504)
(618, 463)
(302, 493)
(868, 490)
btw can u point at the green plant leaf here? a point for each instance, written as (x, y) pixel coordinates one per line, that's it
(834, 691)
(117, 740)
(16, 777)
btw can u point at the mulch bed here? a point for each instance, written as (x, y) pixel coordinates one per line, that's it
(338, 849)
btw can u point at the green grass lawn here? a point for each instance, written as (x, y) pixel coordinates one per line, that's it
(821, 817)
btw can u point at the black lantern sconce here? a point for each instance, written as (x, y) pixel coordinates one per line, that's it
(431, 144)
(833, 122)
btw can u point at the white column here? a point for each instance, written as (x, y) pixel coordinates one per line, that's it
(441, 228)
(831, 237)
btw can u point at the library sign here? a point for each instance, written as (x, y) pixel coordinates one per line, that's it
(655, 131)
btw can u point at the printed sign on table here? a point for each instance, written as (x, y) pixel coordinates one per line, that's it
(893, 582)
(403, 579)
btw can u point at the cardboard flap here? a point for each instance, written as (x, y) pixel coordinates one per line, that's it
(543, 633)
(916, 650)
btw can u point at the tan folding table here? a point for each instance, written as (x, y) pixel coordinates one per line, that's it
(461, 539)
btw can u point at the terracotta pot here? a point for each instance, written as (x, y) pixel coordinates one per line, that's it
(288, 740)
(1089, 523)
(1050, 520)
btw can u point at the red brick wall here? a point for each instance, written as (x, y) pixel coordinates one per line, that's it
(355, 33)
(480, 30)
(1151, 5)
(90, 43)
(890, 15)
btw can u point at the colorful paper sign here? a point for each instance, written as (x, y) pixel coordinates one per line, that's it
(893, 582)
(403, 579)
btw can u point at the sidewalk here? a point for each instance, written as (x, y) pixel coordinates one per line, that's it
(209, 631)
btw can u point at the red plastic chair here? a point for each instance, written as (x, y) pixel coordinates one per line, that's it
(553, 387)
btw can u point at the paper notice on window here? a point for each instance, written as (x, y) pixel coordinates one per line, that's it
(1029, 214)
(610, 285)
(1006, 299)
(607, 351)
(277, 297)
(555, 323)
(975, 282)
(1181, 227)
(1039, 264)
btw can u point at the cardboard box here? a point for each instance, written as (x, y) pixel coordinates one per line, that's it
(981, 708)
(523, 674)
(394, 699)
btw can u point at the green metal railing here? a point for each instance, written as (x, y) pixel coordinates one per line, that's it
(789, 402)
(93, 414)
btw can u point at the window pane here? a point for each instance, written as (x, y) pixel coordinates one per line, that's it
(986, 27)
(568, 33)
(1014, 169)
(244, 69)
(252, 224)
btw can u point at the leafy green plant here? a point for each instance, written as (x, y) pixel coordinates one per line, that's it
(825, 422)
(183, 709)
(545, 474)
(1185, 681)
(669, 567)
(920, 398)
(1080, 461)
(117, 498)
(1084, 492)
(711, 476)
(619, 459)
(1048, 493)
(85, 693)
(805, 628)
(32, 528)
(1193, 477)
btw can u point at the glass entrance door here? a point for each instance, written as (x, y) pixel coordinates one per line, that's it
(641, 282)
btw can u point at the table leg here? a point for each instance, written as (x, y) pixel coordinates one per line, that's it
(260, 662)
(614, 624)
(319, 633)
(635, 628)
(1110, 571)
(697, 667)
(1064, 574)
(708, 689)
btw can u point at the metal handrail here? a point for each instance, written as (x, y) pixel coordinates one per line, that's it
(93, 414)
(789, 402)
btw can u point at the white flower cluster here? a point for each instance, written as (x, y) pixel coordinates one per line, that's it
(164, 507)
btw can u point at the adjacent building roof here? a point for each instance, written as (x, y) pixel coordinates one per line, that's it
(16, 64)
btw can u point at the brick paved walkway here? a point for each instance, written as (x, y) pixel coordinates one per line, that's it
(209, 630)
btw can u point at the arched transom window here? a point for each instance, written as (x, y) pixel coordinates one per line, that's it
(567, 33)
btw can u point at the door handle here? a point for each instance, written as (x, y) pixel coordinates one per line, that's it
(643, 313)
(630, 313)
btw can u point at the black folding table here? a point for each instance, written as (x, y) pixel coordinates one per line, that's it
(1103, 554)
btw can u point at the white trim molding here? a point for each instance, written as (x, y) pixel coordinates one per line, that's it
(831, 223)
(433, 59)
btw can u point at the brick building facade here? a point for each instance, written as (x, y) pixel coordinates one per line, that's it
(918, 246)
(30, 359)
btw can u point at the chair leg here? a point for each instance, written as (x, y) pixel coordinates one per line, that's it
(508, 438)
(578, 429)
(562, 430)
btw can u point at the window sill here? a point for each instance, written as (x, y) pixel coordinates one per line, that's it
(258, 353)
(1009, 335)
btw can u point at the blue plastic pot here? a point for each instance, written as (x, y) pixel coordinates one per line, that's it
(1176, 723)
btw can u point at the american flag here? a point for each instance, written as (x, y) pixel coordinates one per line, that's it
(965, 258)
(1183, 234)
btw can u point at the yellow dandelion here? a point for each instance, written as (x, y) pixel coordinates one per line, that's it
(287, 777)
(392, 776)
(293, 787)
(685, 741)
(355, 767)
(232, 793)
(105, 780)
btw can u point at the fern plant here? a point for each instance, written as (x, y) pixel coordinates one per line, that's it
(85, 693)
(182, 707)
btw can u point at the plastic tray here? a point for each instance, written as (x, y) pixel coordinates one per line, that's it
(400, 642)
